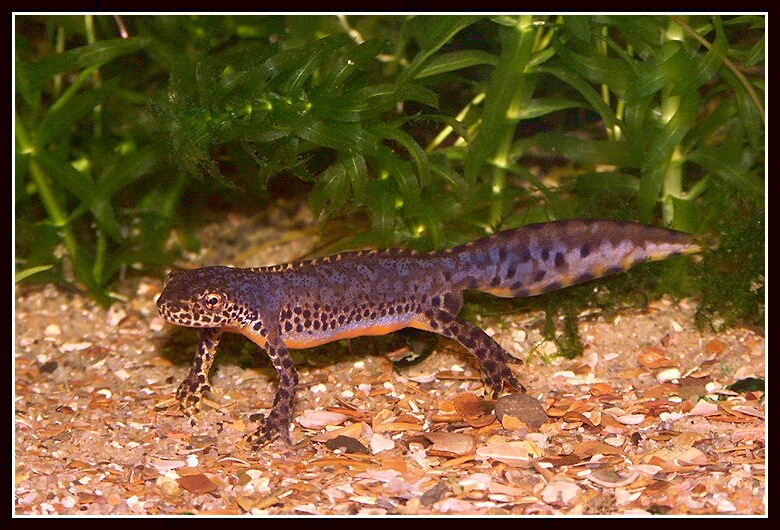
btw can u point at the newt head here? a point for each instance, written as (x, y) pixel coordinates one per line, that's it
(210, 297)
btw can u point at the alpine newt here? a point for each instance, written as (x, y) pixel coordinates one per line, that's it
(373, 292)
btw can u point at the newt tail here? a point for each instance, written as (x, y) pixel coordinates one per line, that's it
(304, 304)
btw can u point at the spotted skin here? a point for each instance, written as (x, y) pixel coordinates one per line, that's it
(305, 304)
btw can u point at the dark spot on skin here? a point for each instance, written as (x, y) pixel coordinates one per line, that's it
(451, 303)
(584, 277)
(525, 256)
(545, 254)
(613, 269)
(287, 326)
(436, 301)
(515, 286)
(585, 250)
(257, 326)
(560, 262)
(511, 270)
(445, 318)
(539, 276)
(554, 286)
(495, 281)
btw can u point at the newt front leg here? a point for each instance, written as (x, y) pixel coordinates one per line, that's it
(190, 391)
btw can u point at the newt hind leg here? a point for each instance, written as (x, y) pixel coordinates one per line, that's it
(277, 423)
(492, 357)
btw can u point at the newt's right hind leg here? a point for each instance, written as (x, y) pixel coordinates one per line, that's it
(492, 357)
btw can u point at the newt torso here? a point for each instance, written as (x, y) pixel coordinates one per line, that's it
(352, 294)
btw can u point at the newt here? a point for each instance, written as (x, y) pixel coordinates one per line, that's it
(374, 292)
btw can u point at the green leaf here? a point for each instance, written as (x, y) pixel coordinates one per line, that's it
(660, 151)
(382, 196)
(58, 120)
(579, 26)
(643, 33)
(126, 170)
(609, 183)
(506, 82)
(433, 33)
(727, 163)
(26, 273)
(342, 136)
(747, 112)
(293, 66)
(671, 135)
(686, 214)
(414, 92)
(541, 106)
(355, 166)
(654, 76)
(71, 180)
(450, 62)
(414, 149)
(402, 175)
(756, 54)
(331, 191)
(91, 55)
(314, 55)
(615, 73)
(353, 60)
(583, 87)
(589, 152)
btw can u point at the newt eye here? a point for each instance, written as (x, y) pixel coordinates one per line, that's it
(212, 301)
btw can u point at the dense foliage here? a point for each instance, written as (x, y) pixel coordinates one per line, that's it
(420, 131)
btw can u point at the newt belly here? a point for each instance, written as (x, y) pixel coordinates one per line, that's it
(305, 304)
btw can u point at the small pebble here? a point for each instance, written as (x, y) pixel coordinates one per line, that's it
(523, 407)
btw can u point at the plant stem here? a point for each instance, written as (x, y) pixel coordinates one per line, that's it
(58, 217)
